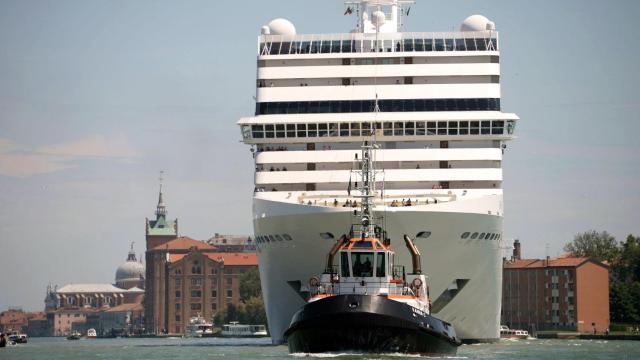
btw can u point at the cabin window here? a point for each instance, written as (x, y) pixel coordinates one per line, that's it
(362, 264)
(344, 262)
(380, 265)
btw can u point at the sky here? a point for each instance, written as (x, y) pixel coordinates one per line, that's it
(96, 97)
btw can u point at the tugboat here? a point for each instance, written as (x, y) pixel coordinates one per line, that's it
(365, 302)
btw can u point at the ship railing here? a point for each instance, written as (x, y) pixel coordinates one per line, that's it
(356, 287)
(388, 200)
(386, 42)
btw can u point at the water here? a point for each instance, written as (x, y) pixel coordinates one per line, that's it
(217, 348)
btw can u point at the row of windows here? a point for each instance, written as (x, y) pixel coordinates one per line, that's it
(384, 45)
(480, 236)
(398, 128)
(393, 105)
(263, 239)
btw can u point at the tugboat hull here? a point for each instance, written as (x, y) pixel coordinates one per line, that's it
(368, 323)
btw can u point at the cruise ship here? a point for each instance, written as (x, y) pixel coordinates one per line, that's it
(441, 138)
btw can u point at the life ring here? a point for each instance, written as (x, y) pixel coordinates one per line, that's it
(314, 281)
(417, 283)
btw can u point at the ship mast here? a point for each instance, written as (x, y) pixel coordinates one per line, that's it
(367, 162)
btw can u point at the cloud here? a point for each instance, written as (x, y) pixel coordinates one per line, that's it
(21, 163)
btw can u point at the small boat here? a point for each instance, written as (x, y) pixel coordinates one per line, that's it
(506, 333)
(234, 329)
(367, 303)
(199, 327)
(74, 336)
(92, 334)
(18, 338)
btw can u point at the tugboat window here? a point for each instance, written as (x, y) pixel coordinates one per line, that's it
(380, 265)
(344, 262)
(362, 264)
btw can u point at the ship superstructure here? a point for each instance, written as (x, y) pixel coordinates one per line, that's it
(441, 134)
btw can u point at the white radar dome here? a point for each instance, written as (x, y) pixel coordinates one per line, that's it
(378, 18)
(281, 27)
(477, 23)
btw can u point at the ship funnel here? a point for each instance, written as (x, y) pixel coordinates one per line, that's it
(334, 250)
(415, 255)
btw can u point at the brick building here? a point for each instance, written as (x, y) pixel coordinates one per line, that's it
(187, 277)
(562, 293)
(15, 319)
(190, 278)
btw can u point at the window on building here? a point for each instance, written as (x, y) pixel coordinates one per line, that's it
(228, 270)
(178, 271)
(196, 293)
(214, 271)
(214, 306)
(178, 294)
(196, 268)
(229, 293)
(178, 281)
(177, 306)
(214, 293)
(177, 317)
(196, 306)
(229, 281)
(196, 281)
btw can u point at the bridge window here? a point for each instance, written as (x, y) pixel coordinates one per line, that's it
(380, 265)
(344, 264)
(362, 264)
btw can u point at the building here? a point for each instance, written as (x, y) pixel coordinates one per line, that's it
(232, 243)
(69, 307)
(122, 319)
(562, 293)
(191, 278)
(15, 319)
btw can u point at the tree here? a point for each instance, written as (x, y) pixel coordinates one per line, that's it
(627, 268)
(250, 284)
(599, 246)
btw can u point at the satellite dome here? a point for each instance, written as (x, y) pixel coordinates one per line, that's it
(281, 27)
(477, 23)
(378, 18)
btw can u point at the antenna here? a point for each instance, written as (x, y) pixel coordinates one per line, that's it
(161, 178)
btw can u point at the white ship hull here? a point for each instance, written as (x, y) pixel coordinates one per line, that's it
(475, 312)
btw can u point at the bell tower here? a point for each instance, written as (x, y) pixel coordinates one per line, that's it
(160, 230)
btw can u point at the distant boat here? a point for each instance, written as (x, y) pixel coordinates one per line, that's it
(18, 338)
(92, 334)
(506, 333)
(74, 336)
(234, 329)
(199, 327)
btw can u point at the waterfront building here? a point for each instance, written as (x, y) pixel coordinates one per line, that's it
(560, 293)
(68, 307)
(191, 278)
(15, 319)
(120, 320)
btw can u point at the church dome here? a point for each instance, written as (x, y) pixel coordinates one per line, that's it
(131, 273)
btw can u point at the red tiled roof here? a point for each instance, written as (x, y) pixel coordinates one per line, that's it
(235, 259)
(126, 307)
(184, 242)
(176, 257)
(561, 261)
